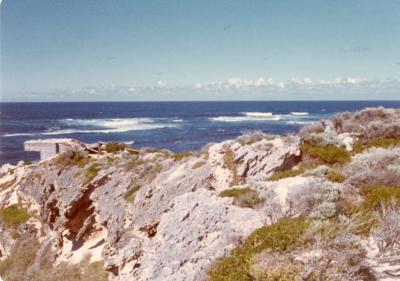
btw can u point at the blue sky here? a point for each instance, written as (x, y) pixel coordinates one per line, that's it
(199, 50)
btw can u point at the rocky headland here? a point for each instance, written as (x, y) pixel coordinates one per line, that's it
(320, 205)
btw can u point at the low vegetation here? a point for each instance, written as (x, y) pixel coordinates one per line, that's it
(21, 265)
(369, 123)
(13, 216)
(316, 199)
(181, 155)
(113, 147)
(360, 146)
(253, 137)
(280, 237)
(335, 176)
(376, 166)
(229, 161)
(130, 195)
(91, 172)
(330, 154)
(286, 174)
(72, 158)
(243, 197)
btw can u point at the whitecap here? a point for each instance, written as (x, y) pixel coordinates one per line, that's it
(300, 122)
(299, 113)
(101, 126)
(258, 114)
(244, 118)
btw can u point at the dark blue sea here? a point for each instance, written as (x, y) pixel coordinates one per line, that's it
(179, 126)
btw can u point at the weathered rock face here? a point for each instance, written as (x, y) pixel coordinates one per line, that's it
(149, 216)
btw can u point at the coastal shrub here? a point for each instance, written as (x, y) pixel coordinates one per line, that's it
(22, 256)
(181, 155)
(322, 139)
(253, 137)
(373, 199)
(387, 234)
(23, 264)
(243, 197)
(132, 163)
(283, 236)
(113, 147)
(370, 123)
(313, 128)
(83, 271)
(329, 154)
(131, 193)
(13, 215)
(229, 161)
(375, 196)
(360, 146)
(338, 252)
(91, 172)
(376, 166)
(286, 174)
(274, 266)
(315, 198)
(335, 176)
(72, 158)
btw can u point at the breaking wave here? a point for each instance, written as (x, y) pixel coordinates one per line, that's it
(248, 117)
(299, 113)
(300, 122)
(101, 126)
(258, 114)
(243, 118)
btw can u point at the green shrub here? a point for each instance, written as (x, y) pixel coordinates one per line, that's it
(335, 176)
(113, 147)
(330, 153)
(276, 266)
(91, 172)
(133, 163)
(18, 266)
(359, 146)
(286, 174)
(373, 199)
(181, 155)
(131, 193)
(374, 196)
(229, 161)
(243, 197)
(13, 215)
(282, 236)
(72, 158)
(22, 256)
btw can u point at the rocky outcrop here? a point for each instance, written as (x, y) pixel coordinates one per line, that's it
(171, 228)
(151, 214)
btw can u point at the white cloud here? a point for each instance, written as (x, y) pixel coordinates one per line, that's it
(238, 88)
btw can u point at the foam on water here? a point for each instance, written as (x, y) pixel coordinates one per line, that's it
(299, 113)
(101, 126)
(258, 114)
(243, 118)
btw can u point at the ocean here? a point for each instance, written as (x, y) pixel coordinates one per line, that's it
(178, 126)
